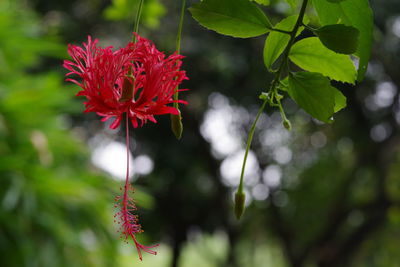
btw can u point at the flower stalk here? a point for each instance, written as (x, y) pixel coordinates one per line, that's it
(176, 120)
(137, 20)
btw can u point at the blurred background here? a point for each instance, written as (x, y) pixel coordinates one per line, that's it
(320, 195)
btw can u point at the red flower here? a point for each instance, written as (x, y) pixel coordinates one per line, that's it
(136, 79)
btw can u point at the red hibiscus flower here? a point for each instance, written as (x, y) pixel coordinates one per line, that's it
(137, 79)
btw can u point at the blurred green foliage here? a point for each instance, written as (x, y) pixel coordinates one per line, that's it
(153, 11)
(54, 211)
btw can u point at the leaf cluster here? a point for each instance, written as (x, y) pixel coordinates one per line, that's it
(344, 32)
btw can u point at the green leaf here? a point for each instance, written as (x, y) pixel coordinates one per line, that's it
(276, 42)
(311, 55)
(335, 1)
(339, 38)
(239, 18)
(262, 2)
(356, 13)
(340, 101)
(314, 93)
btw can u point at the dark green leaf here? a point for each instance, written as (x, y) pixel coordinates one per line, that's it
(311, 55)
(356, 13)
(314, 93)
(239, 18)
(335, 1)
(339, 38)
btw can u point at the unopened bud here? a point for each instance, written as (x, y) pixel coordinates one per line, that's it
(240, 198)
(176, 125)
(287, 125)
(263, 96)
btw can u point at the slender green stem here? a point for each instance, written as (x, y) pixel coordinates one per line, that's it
(178, 36)
(299, 22)
(285, 121)
(137, 20)
(273, 89)
(176, 120)
(281, 110)
(309, 27)
(281, 31)
(178, 44)
(293, 34)
(249, 140)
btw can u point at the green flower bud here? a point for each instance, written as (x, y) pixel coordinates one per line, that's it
(263, 96)
(176, 125)
(240, 198)
(287, 125)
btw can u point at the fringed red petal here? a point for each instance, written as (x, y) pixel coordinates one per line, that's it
(100, 73)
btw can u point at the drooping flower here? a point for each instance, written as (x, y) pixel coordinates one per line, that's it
(137, 79)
